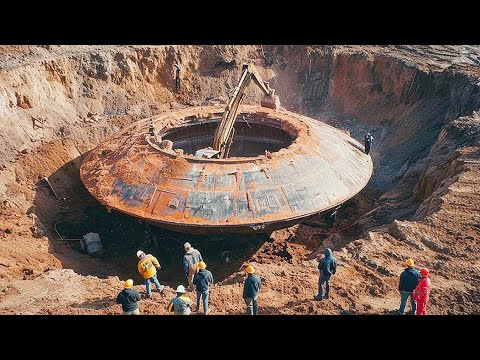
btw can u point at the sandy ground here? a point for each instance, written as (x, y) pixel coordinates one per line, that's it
(423, 201)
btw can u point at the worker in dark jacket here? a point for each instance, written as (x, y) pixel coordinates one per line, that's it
(201, 280)
(250, 291)
(128, 297)
(327, 267)
(368, 142)
(408, 282)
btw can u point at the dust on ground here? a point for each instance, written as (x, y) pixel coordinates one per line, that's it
(422, 202)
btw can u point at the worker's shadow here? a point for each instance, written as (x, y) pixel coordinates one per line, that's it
(356, 146)
(95, 304)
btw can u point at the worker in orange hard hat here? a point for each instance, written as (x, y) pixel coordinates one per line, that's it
(128, 298)
(422, 292)
(251, 287)
(201, 280)
(408, 282)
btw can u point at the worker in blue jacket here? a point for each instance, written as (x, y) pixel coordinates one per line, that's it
(251, 288)
(201, 280)
(327, 267)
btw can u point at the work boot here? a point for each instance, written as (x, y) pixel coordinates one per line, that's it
(317, 297)
(161, 288)
(327, 296)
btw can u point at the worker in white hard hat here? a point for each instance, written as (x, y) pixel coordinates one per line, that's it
(147, 266)
(190, 263)
(368, 142)
(180, 304)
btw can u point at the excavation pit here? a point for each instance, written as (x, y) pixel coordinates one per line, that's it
(419, 102)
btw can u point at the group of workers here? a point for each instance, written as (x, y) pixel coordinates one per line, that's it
(413, 283)
(198, 278)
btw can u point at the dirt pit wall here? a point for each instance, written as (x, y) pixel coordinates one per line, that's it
(420, 103)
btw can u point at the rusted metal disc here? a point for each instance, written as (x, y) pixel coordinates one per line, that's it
(282, 168)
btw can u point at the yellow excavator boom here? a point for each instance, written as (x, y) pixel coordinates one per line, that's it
(223, 136)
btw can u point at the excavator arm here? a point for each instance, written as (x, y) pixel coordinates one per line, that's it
(223, 136)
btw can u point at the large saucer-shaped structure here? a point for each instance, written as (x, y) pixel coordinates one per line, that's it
(282, 167)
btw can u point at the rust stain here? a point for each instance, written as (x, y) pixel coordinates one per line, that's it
(251, 205)
(152, 197)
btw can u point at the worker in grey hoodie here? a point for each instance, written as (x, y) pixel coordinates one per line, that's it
(327, 267)
(190, 263)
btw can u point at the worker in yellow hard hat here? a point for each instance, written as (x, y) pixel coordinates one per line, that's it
(408, 281)
(201, 280)
(251, 287)
(128, 298)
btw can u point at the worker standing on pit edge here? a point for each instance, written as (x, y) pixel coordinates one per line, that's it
(421, 292)
(251, 287)
(190, 263)
(368, 142)
(201, 280)
(180, 304)
(177, 77)
(128, 298)
(408, 282)
(327, 267)
(147, 266)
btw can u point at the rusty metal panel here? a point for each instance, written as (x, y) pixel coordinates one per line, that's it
(213, 206)
(269, 201)
(132, 195)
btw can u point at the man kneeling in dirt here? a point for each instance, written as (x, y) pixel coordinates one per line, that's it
(128, 298)
(327, 267)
